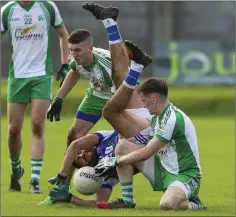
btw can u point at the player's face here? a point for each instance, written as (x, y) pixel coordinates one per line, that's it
(150, 102)
(81, 52)
(84, 157)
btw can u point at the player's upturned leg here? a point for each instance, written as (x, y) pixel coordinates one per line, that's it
(119, 56)
(120, 100)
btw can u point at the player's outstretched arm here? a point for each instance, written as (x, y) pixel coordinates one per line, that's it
(142, 154)
(86, 142)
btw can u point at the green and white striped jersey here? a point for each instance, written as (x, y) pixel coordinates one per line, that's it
(180, 154)
(99, 73)
(29, 32)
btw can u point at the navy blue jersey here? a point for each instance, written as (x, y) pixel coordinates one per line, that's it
(106, 148)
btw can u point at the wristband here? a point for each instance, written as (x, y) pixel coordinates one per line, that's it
(65, 65)
(61, 176)
(58, 99)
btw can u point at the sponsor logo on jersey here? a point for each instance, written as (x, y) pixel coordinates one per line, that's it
(162, 152)
(14, 19)
(28, 33)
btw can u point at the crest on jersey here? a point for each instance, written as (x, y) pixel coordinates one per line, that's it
(40, 18)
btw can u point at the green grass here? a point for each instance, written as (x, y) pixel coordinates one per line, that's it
(216, 146)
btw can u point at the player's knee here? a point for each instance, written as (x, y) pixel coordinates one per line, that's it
(70, 136)
(37, 127)
(120, 149)
(14, 130)
(106, 112)
(73, 135)
(166, 205)
(169, 204)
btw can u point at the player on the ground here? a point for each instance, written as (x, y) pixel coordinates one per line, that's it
(85, 151)
(170, 161)
(30, 77)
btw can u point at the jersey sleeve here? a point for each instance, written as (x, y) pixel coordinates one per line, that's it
(73, 65)
(2, 26)
(5, 10)
(100, 136)
(166, 128)
(56, 19)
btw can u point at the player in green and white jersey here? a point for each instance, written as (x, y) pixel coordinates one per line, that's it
(95, 65)
(170, 160)
(30, 77)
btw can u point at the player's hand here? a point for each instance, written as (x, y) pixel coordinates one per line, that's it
(58, 179)
(60, 193)
(55, 109)
(105, 164)
(62, 73)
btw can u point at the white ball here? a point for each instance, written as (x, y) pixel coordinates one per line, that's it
(86, 181)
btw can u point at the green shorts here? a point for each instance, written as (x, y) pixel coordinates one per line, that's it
(161, 179)
(91, 104)
(22, 90)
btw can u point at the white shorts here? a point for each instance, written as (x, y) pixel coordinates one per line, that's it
(149, 170)
(142, 137)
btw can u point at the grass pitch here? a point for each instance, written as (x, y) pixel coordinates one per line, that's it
(217, 155)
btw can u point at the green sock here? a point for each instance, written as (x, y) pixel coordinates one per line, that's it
(36, 166)
(127, 193)
(15, 165)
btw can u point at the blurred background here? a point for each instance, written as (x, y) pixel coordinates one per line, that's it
(196, 38)
(192, 42)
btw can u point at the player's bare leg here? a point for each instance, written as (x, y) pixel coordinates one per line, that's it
(38, 116)
(109, 15)
(125, 174)
(16, 113)
(128, 125)
(174, 198)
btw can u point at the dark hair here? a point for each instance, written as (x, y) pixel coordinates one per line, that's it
(91, 163)
(80, 35)
(154, 85)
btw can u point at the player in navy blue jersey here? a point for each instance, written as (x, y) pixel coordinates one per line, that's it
(85, 151)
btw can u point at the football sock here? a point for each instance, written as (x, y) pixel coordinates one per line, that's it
(127, 193)
(36, 166)
(133, 75)
(15, 165)
(112, 30)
